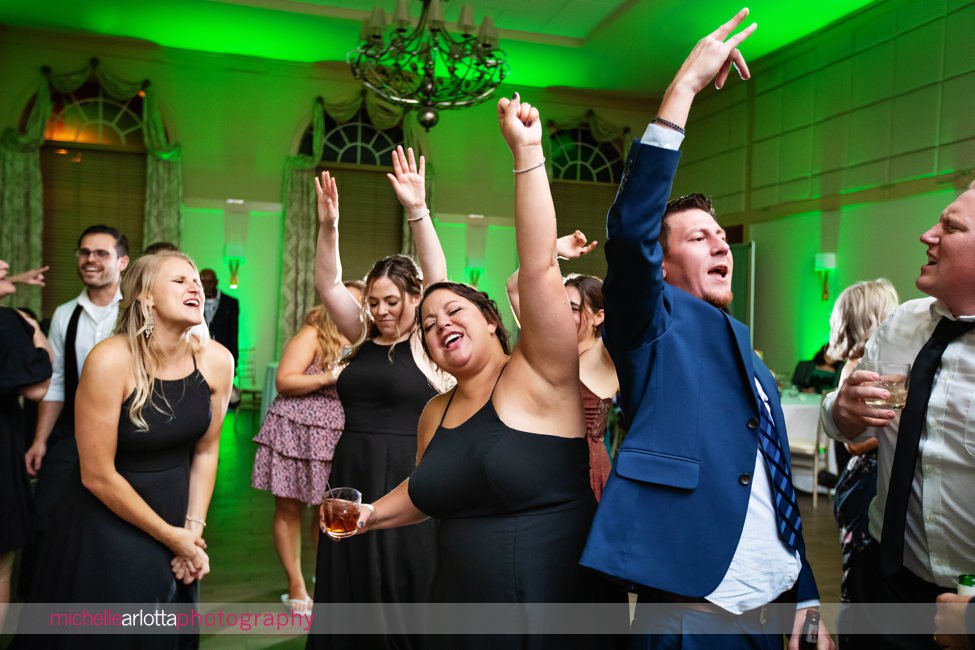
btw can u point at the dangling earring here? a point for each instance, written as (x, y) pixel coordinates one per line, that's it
(150, 325)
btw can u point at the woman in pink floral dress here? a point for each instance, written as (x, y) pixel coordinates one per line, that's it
(298, 438)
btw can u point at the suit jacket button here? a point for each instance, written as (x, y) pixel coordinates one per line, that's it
(745, 479)
(753, 423)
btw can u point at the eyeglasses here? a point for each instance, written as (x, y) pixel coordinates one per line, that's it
(84, 253)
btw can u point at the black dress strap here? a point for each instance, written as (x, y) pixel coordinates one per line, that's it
(449, 400)
(495, 387)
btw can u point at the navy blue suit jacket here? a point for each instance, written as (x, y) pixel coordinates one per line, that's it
(674, 509)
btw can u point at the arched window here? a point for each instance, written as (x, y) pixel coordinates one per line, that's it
(356, 142)
(577, 156)
(93, 170)
(585, 174)
(88, 116)
(359, 155)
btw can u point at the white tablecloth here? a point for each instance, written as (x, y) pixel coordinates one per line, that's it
(801, 413)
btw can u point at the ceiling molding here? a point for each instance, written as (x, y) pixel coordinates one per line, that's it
(294, 6)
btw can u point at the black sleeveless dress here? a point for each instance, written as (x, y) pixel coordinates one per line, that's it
(383, 400)
(514, 510)
(91, 555)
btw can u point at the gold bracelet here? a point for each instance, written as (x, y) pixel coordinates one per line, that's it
(420, 218)
(196, 520)
(528, 169)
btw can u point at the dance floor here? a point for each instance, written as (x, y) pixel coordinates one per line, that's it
(245, 567)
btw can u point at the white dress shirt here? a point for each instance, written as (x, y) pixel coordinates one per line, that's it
(95, 325)
(763, 567)
(939, 536)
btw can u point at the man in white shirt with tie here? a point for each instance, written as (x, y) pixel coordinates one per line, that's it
(923, 514)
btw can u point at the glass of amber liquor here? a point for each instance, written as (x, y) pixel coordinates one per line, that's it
(340, 512)
(893, 378)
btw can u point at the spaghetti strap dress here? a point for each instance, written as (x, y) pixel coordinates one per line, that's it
(513, 511)
(383, 393)
(91, 555)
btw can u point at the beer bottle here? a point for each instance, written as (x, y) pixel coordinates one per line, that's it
(809, 638)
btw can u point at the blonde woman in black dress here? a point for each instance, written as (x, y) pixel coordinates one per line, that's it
(149, 408)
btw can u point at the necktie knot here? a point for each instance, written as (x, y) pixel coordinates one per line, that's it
(948, 330)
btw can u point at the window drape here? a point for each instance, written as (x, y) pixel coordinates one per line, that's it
(298, 293)
(21, 208)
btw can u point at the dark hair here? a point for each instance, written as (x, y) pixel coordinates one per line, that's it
(590, 290)
(121, 241)
(484, 304)
(160, 246)
(694, 201)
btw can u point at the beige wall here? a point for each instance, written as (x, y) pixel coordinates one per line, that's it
(851, 141)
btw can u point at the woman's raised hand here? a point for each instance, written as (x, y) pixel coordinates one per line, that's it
(409, 181)
(328, 200)
(521, 125)
(573, 246)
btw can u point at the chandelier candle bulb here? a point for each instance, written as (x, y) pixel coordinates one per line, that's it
(436, 15)
(466, 22)
(402, 15)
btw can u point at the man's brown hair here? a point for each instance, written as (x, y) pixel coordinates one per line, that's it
(694, 201)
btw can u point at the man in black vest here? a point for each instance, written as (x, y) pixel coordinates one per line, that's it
(76, 327)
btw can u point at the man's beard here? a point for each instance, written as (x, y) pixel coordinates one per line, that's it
(719, 300)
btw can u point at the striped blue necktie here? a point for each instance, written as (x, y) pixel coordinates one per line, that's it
(786, 508)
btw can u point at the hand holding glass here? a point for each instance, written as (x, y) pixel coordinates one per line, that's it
(893, 379)
(340, 512)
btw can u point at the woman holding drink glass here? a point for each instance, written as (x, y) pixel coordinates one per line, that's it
(383, 388)
(503, 457)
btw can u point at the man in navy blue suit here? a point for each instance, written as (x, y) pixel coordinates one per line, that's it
(700, 511)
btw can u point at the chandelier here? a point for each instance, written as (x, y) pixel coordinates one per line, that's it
(424, 67)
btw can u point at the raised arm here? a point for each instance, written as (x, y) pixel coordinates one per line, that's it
(633, 288)
(339, 301)
(548, 338)
(711, 58)
(568, 247)
(409, 183)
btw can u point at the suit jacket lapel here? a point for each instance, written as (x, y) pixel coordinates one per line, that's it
(745, 352)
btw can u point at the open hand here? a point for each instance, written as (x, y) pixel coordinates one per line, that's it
(409, 181)
(328, 200)
(521, 125)
(713, 56)
(574, 246)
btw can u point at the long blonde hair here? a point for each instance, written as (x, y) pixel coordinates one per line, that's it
(133, 319)
(859, 310)
(330, 342)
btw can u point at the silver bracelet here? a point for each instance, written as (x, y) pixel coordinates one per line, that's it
(528, 169)
(420, 218)
(196, 520)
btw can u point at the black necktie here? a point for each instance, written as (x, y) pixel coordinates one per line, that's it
(925, 366)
